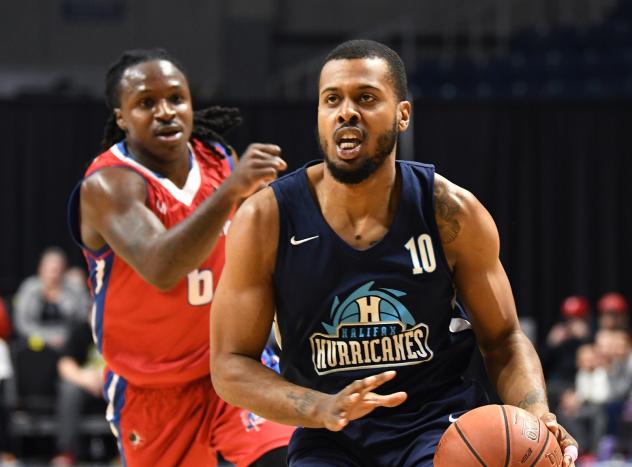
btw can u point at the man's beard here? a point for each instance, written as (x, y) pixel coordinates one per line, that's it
(385, 144)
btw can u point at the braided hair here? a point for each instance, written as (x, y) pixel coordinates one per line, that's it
(208, 124)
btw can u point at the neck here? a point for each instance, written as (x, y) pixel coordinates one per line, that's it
(173, 165)
(371, 197)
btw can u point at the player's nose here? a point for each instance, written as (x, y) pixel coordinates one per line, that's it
(164, 110)
(348, 112)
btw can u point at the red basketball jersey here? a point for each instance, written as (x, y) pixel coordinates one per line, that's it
(149, 337)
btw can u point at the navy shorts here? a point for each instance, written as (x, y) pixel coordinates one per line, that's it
(388, 437)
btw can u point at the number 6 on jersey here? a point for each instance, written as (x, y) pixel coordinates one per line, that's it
(421, 254)
(200, 286)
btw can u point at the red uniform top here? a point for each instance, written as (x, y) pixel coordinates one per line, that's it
(149, 337)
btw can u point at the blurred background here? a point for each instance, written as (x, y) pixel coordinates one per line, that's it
(526, 103)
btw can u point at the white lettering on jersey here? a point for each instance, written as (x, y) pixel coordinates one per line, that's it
(162, 207)
(200, 287)
(100, 271)
(421, 254)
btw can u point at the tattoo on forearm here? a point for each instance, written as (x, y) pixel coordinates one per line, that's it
(302, 402)
(446, 208)
(532, 397)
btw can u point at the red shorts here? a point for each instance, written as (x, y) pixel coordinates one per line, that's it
(186, 425)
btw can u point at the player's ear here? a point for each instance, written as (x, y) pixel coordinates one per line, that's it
(119, 119)
(403, 115)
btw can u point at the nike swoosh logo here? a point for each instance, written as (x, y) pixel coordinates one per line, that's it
(452, 418)
(294, 241)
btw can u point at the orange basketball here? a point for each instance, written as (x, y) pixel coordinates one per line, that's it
(498, 436)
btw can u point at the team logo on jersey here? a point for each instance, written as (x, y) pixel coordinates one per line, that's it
(371, 328)
(162, 207)
(251, 421)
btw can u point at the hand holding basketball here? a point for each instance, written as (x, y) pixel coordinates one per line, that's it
(500, 436)
(357, 400)
(565, 440)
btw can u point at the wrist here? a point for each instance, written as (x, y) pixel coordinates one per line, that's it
(319, 409)
(229, 191)
(309, 406)
(538, 409)
(535, 402)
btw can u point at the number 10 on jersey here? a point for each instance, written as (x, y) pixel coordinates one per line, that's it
(421, 254)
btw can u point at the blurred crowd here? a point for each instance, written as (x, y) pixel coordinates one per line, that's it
(49, 366)
(587, 360)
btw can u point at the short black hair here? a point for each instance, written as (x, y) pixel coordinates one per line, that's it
(208, 124)
(364, 48)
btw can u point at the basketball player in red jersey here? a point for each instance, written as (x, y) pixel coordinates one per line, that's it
(152, 211)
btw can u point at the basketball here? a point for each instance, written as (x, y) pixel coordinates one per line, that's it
(498, 435)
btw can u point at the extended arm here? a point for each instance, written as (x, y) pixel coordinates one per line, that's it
(113, 211)
(471, 243)
(241, 316)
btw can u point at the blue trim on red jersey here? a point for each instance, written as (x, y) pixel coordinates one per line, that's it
(117, 402)
(99, 296)
(74, 224)
(224, 151)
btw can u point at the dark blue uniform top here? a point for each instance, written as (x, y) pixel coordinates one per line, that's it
(345, 314)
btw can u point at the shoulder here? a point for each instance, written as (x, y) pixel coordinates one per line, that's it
(211, 150)
(292, 180)
(113, 183)
(29, 285)
(449, 204)
(462, 221)
(258, 210)
(254, 232)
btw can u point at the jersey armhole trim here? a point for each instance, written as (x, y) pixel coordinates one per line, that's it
(278, 196)
(73, 216)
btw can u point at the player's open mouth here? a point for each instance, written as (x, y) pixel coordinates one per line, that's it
(171, 133)
(348, 141)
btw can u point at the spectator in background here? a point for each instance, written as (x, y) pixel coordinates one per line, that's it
(47, 302)
(613, 311)
(614, 345)
(81, 382)
(6, 371)
(5, 321)
(76, 277)
(620, 363)
(582, 408)
(562, 343)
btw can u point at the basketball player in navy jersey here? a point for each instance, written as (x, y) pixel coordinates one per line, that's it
(361, 258)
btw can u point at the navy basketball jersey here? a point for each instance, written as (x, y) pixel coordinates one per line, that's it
(345, 314)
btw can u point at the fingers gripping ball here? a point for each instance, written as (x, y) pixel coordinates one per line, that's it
(498, 436)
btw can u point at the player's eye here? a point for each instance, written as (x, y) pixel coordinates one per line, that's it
(366, 97)
(146, 103)
(331, 99)
(177, 98)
